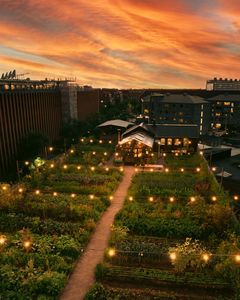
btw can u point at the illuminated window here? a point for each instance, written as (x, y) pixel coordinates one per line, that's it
(177, 142)
(201, 114)
(218, 125)
(217, 114)
(162, 141)
(169, 141)
(180, 120)
(231, 110)
(227, 103)
(185, 142)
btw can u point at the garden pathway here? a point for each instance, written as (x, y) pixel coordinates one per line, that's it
(82, 277)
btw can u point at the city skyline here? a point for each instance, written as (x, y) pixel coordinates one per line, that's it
(122, 43)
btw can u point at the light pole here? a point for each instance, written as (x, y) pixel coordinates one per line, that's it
(159, 145)
(119, 135)
(222, 172)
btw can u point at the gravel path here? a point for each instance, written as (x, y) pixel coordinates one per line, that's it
(82, 277)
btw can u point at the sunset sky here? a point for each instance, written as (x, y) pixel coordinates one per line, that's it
(122, 43)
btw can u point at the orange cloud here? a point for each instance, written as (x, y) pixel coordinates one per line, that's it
(122, 43)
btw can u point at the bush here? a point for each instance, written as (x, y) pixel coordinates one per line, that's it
(100, 271)
(188, 255)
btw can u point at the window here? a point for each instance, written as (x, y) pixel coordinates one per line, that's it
(227, 103)
(185, 142)
(169, 141)
(177, 142)
(162, 141)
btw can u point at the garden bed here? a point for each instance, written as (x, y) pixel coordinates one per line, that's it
(46, 222)
(176, 232)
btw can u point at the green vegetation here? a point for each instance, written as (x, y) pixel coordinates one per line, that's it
(46, 221)
(176, 233)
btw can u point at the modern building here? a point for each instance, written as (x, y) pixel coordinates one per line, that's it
(223, 84)
(178, 109)
(26, 107)
(225, 111)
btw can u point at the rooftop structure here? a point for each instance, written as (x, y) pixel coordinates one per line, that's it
(223, 84)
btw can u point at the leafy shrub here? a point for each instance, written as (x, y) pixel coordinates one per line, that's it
(188, 255)
(100, 271)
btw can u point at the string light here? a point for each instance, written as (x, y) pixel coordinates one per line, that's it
(182, 169)
(94, 153)
(235, 197)
(201, 152)
(105, 153)
(198, 169)
(73, 195)
(100, 142)
(92, 168)
(213, 169)
(37, 192)
(78, 167)
(110, 142)
(82, 140)
(171, 199)
(27, 244)
(121, 169)
(26, 163)
(205, 257)
(50, 148)
(237, 258)
(4, 188)
(91, 197)
(71, 151)
(55, 194)
(151, 170)
(110, 197)
(20, 190)
(166, 170)
(173, 256)
(52, 166)
(107, 169)
(65, 167)
(164, 154)
(116, 154)
(111, 252)
(136, 169)
(150, 199)
(91, 141)
(3, 239)
(192, 199)
(214, 198)
(130, 198)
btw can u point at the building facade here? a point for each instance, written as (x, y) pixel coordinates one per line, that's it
(225, 111)
(178, 109)
(223, 84)
(26, 107)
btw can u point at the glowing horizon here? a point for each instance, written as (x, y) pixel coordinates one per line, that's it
(122, 43)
